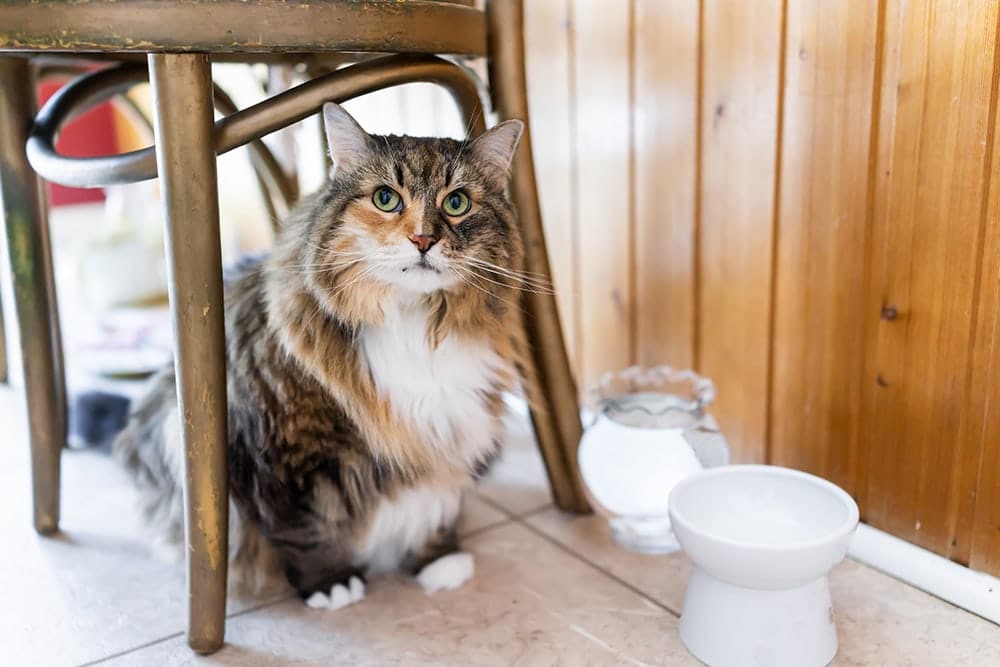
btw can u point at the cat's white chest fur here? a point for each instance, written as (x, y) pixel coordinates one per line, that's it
(439, 391)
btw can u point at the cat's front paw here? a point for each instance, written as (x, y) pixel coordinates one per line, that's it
(340, 595)
(447, 572)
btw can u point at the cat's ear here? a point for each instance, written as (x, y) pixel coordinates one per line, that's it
(496, 146)
(349, 144)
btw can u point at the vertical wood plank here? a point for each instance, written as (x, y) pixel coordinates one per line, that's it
(665, 116)
(821, 259)
(740, 68)
(927, 244)
(983, 424)
(547, 51)
(601, 66)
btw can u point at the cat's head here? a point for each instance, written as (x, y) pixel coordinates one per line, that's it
(417, 215)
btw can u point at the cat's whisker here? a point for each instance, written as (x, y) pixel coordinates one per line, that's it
(326, 268)
(468, 133)
(527, 280)
(530, 274)
(540, 283)
(365, 273)
(525, 287)
(325, 265)
(468, 277)
(319, 304)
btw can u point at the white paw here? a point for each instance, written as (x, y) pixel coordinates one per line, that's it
(318, 600)
(447, 572)
(357, 589)
(340, 595)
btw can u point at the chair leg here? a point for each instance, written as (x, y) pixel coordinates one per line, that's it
(557, 421)
(55, 328)
(33, 293)
(185, 158)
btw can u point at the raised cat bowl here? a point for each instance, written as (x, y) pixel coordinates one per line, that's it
(762, 540)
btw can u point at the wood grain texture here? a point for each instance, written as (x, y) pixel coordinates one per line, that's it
(739, 123)
(601, 64)
(664, 111)
(547, 50)
(927, 245)
(852, 322)
(983, 425)
(821, 246)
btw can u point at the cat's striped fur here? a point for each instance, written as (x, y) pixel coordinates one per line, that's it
(365, 379)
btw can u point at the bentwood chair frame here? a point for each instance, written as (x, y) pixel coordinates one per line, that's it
(178, 41)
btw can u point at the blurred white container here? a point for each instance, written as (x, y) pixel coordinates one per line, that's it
(650, 430)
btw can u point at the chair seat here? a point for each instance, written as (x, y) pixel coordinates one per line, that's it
(243, 26)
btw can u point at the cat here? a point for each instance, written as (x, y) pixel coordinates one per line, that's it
(368, 357)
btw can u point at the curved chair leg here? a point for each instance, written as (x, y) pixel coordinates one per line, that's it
(33, 293)
(185, 157)
(557, 421)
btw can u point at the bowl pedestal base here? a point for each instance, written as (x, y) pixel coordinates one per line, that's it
(724, 625)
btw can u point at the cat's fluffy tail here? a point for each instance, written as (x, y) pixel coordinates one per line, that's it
(158, 473)
(151, 450)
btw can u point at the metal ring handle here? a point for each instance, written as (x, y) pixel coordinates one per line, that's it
(236, 129)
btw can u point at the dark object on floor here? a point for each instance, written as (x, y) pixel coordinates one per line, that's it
(96, 417)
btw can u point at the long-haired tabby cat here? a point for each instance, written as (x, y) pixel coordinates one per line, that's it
(367, 357)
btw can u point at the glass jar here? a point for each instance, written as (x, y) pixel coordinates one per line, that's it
(649, 429)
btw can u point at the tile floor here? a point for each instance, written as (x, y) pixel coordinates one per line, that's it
(550, 589)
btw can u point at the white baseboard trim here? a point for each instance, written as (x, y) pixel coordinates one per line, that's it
(973, 591)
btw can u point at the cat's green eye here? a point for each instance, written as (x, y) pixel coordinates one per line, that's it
(388, 200)
(456, 203)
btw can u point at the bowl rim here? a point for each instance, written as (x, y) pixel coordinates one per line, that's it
(844, 529)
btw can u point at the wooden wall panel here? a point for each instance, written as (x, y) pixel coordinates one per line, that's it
(819, 319)
(983, 424)
(547, 32)
(601, 72)
(664, 111)
(740, 52)
(927, 243)
(796, 198)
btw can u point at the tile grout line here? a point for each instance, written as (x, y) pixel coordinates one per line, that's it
(638, 591)
(485, 529)
(127, 651)
(175, 635)
(518, 519)
(508, 518)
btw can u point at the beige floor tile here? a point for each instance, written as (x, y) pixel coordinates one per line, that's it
(92, 590)
(478, 514)
(517, 481)
(530, 603)
(881, 621)
(661, 577)
(96, 589)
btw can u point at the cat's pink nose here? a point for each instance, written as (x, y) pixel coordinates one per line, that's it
(422, 241)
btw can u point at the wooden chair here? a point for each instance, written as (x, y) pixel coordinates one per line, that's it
(174, 43)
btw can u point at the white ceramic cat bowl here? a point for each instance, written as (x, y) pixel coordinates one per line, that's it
(762, 539)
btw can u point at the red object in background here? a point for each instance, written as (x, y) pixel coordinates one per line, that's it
(92, 133)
